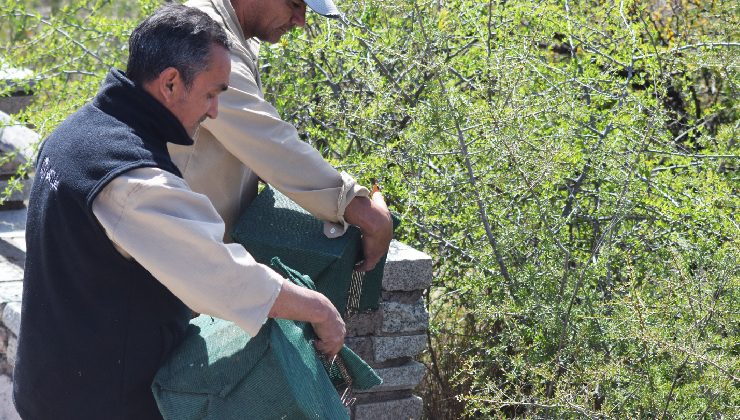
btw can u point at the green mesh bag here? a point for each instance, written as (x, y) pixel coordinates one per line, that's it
(220, 372)
(349, 372)
(274, 225)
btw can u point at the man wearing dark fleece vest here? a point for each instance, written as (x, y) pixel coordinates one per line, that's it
(119, 249)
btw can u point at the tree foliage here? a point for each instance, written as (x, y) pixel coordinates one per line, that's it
(571, 167)
(68, 46)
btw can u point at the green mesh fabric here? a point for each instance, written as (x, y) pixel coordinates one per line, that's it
(361, 375)
(220, 372)
(274, 225)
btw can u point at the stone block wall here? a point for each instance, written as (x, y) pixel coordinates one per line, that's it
(391, 338)
(16, 143)
(17, 87)
(15, 103)
(12, 259)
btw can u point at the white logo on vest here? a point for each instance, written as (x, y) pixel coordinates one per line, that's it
(50, 175)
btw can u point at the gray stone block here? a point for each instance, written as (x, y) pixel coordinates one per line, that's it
(15, 104)
(4, 334)
(406, 269)
(403, 409)
(12, 350)
(18, 139)
(388, 348)
(11, 252)
(403, 317)
(13, 226)
(12, 317)
(407, 376)
(7, 409)
(365, 323)
(10, 270)
(11, 291)
(363, 346)
(401, 296)
(16, 241)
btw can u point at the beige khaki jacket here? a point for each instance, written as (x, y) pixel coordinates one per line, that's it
(249, 141)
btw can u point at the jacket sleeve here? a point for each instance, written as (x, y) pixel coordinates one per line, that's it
(251, 129)
(154, 218)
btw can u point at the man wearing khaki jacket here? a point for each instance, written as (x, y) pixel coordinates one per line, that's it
(249, 141)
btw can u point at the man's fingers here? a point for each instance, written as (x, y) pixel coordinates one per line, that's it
(329, 347)
(330, 334)
(365, 265)
(329, 350)
(378, 198)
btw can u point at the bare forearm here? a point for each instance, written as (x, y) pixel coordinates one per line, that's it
(367, 214)
(301, 304)
(371, 215)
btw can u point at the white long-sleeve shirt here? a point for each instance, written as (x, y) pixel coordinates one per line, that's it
(155, 218)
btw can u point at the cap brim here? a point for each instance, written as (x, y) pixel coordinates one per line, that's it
(324, 8)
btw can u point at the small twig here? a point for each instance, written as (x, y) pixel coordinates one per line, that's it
(450, 245)
(64, 33)
(693, 46)
(471, 176)
(693, 155)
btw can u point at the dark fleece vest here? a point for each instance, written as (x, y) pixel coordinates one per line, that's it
(95, 326)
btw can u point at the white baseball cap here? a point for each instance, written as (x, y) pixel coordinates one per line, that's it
(324, 8)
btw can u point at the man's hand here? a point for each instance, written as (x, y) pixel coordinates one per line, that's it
(330, 332)
(371, 215)
(301, 304)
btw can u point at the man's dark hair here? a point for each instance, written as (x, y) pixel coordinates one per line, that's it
(174, 36)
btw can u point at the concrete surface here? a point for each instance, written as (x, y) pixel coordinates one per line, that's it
(12, 257)
(7, 411)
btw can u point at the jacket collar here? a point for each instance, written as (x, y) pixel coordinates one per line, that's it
(227, 12)
(120, 98)
(246, 50)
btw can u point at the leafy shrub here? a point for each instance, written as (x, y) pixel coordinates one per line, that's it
(572, 168)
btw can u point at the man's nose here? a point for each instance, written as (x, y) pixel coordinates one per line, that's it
(213, 108)
(299, 15)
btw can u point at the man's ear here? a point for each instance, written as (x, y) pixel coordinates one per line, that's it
(169, 85)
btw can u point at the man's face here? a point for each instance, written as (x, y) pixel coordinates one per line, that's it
(268, 20)
(199, 102)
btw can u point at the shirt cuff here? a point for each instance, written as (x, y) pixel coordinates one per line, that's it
(350, 190)
(269, 303)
